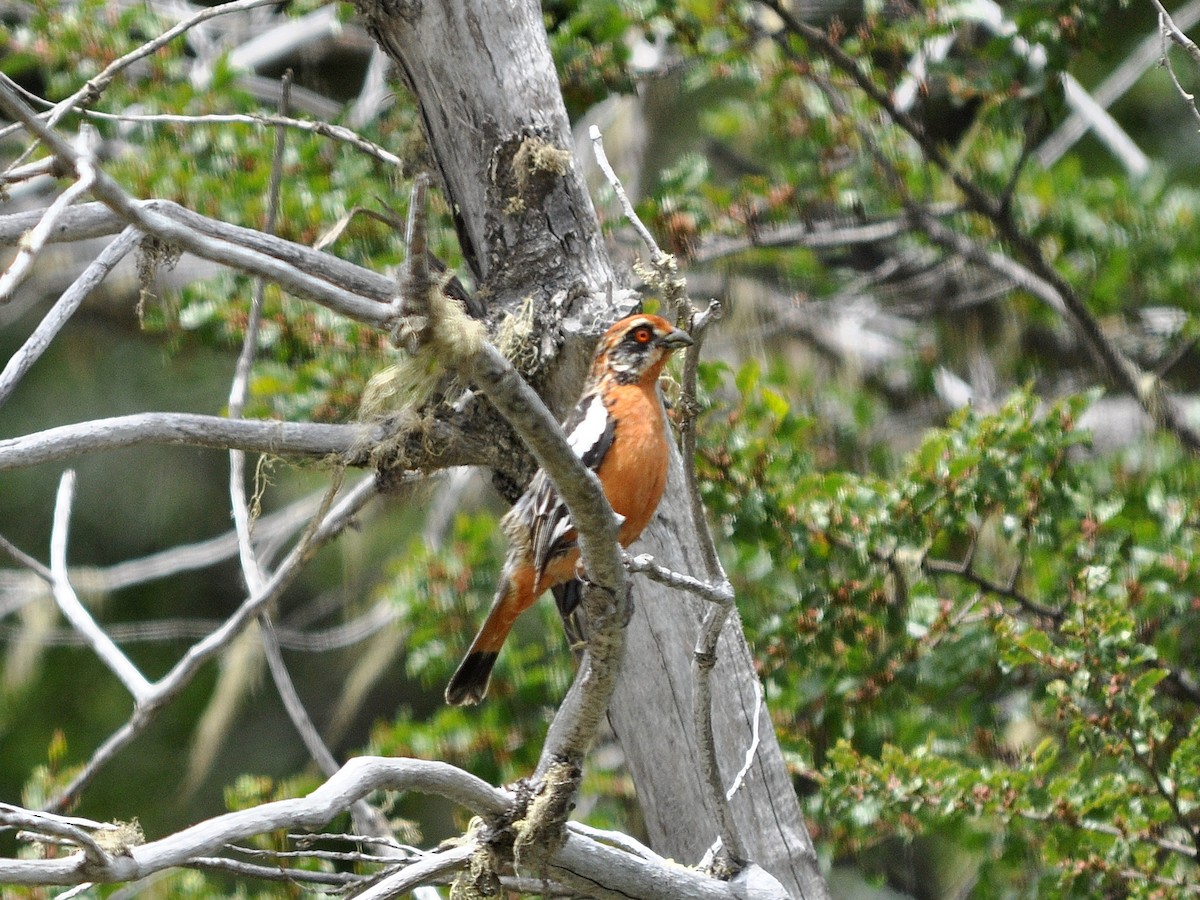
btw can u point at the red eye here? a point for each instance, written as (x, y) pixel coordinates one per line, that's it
(643, 335)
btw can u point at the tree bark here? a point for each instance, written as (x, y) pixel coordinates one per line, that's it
(651, 714)
(500, 138)
(499, 134)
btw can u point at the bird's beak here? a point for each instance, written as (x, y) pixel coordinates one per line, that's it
(675, 338)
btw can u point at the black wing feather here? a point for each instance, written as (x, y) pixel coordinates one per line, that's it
(590, 430)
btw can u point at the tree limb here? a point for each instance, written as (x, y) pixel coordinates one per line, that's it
(185, 429)
(356, 779)
(598, 869)
(91, 220)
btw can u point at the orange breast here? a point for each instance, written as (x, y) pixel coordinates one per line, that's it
(634, 471)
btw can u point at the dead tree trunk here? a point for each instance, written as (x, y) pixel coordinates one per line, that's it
(498, 131)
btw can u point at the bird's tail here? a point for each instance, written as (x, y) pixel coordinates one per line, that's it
(469, 683)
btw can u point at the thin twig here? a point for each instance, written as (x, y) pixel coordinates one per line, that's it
(42, 572)
(698, 328)
(65, 307)
(1171, 30)
(657, 256)
(309, 837)
(705, 653)
(103, 646)
(1168, 30)
(63, 827)
(286, 688)
(95, 86)
(322, 129)
(644, 564)
(33, 242)
(294, 876)
(310, 852)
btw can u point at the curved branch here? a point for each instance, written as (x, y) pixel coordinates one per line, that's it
(75, 613)
(355, 780)
(328, 523)
(582, 862)
(607, 592)
(92, 220)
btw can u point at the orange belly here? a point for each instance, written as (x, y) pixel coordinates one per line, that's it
(634, 477)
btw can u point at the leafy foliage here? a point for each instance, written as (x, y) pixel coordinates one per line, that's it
(986, 645)
(981, 646)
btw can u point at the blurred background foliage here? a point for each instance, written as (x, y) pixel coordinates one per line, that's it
(968, 572)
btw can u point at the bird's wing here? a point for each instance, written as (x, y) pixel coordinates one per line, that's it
(590, 430)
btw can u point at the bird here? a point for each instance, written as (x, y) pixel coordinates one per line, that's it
(619, 430)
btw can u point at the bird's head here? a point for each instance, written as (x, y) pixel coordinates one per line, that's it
(637, 347)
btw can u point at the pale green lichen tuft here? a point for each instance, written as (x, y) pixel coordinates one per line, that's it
(120, 839)
(536, 165)
(542, 831)
(480, 879)
(437, 342)
(664, 279)
(545, 157)
(516, 337)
